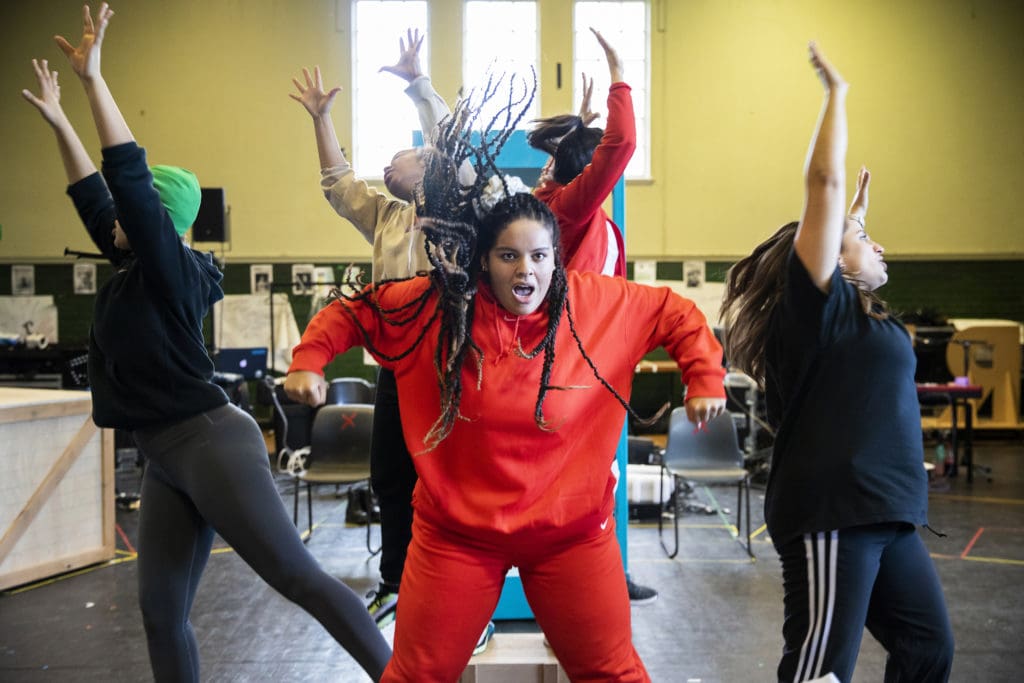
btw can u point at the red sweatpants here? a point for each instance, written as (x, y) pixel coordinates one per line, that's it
(451, 585)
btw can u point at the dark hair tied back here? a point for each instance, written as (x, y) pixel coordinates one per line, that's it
(568, 141)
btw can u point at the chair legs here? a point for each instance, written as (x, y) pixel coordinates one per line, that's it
(675, 511)
(743, 490)
(368, 504)
(746, 485)
(309, 508)
(742, 508)
(367, 497)
(309, 511)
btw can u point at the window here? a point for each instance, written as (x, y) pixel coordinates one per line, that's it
(502, 33)
(384, 117)
(624, 23)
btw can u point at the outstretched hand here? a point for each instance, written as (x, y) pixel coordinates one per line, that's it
(828, 74)
(312, 96)
(614, 62)
(85, 59)
(859, 205)
(48, 101)
(408, 65)
(586, 114)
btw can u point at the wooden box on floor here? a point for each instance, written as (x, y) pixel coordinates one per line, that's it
(515, 658)
(57, 485)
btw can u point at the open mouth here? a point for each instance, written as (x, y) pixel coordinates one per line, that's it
(523, 292)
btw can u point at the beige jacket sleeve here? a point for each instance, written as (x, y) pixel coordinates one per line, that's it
(354, 200)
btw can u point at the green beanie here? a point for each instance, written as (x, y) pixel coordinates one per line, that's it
(179, 193)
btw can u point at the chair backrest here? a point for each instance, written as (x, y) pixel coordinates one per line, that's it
(712, 449)
(345, 390)
(341, 436)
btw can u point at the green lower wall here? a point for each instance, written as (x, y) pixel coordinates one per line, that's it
(974, 289)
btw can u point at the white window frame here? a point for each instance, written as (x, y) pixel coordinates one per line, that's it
(472, 74)
(639, 169)
(382, 87)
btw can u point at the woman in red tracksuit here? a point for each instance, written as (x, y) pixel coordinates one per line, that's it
(583, 170)
(509, 476)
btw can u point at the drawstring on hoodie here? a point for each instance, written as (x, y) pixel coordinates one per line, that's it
(937, 533)
(504, 352)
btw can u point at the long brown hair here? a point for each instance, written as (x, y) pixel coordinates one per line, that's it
(753, 287)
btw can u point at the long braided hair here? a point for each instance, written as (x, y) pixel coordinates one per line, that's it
(459, 228)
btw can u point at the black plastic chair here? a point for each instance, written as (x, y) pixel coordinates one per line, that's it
(344, 390)
(712, 458)
(339, 453)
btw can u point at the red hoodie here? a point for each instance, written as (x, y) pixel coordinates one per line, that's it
(497, 472)
(577, 206)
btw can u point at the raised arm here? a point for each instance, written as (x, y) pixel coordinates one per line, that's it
(77, 164)
(85, 61)
(611, 56)
(318, 103)
(859, 205)
(430, 106)
(587, 192)
(819, 237)
(89, 193)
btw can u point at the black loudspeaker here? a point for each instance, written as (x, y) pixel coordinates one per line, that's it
(211, 223)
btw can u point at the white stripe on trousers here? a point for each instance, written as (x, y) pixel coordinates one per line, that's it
(822, 551)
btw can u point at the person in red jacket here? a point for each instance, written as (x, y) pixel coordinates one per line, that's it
(585, 165)
(513, 377)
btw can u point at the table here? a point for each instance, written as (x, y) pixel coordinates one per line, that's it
(957, 395)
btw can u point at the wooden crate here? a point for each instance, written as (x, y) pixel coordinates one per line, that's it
(515, 658)
(57, 488)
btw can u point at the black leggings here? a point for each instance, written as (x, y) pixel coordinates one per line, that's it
(394, 478)
(210, 473)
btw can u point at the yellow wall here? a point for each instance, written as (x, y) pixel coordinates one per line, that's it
(936, 110)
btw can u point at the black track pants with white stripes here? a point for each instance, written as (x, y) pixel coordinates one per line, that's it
(879, 576)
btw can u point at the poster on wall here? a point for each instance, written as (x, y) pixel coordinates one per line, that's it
(23, 280)
(694, 273)
(261, 276)
(85, 278)
(32, 320)
(302, 279)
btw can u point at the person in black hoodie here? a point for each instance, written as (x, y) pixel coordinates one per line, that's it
(150, 374)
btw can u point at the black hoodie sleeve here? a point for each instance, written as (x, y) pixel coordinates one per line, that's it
(95, 207)
(164, 259)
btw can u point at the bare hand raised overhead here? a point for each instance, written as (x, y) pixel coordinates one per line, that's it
(408, 65)
(312, 96)
(85, 58)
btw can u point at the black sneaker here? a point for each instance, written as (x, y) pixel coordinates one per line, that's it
(382, 607)
(640, 595)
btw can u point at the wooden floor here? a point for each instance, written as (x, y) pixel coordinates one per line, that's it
(717, 618)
